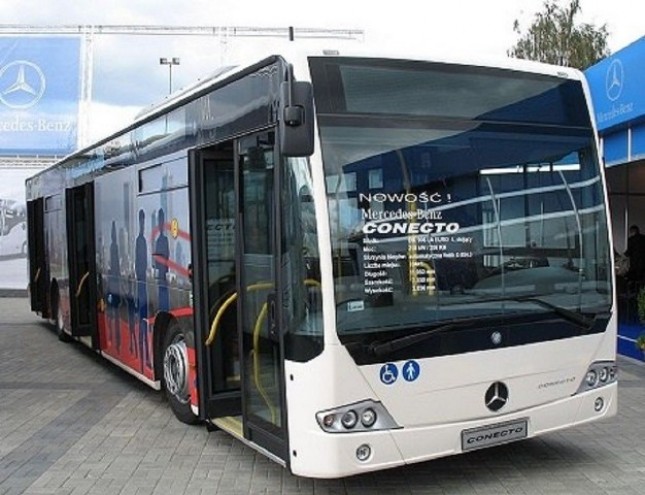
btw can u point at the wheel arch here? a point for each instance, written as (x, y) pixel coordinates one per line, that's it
(162, 322)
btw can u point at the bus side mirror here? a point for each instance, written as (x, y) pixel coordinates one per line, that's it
(296, 118)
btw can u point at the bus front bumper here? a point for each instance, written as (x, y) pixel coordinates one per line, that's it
(318, 454)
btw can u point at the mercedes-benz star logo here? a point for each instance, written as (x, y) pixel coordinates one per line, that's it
(496, 396)
(614, 80)
(22, 84)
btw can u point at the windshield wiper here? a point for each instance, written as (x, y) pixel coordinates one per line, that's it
(383, 348)
(571, 316)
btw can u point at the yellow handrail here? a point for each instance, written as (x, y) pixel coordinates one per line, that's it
(213, 330)
(220, 312)
(256, 359)
(256, 348)
(312, 282)
(257, 328)
(80, 284)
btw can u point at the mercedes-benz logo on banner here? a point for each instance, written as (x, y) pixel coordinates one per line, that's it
(614, 80)
(496, 396)
(22, 84)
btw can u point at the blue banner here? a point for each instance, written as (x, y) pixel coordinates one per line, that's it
(617, 84)
(39, 94)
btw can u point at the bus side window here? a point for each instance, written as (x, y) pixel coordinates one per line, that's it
(301, 264)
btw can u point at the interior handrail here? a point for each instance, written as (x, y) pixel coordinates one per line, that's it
(81, 283)
(257, 328)
(231, 299)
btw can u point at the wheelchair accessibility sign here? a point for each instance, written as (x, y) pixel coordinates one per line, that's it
(389, 373)
(410, 371)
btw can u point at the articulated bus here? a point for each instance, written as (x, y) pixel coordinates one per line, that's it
(349, 263)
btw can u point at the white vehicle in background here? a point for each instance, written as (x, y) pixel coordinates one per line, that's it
(14, 242)
(11, 214)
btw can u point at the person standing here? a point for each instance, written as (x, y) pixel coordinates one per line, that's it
(636, 254)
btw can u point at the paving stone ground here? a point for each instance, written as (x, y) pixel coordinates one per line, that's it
(72, 423)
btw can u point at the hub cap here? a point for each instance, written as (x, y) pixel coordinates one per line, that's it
(175, 369)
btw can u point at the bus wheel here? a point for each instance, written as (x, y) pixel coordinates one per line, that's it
(58, 318)
(175, 374)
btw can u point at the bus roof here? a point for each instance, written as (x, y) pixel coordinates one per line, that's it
(297, 56)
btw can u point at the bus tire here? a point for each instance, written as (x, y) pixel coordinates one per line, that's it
(59, 322)
(175, 373)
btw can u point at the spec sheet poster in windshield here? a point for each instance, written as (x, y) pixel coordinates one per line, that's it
(409, 231)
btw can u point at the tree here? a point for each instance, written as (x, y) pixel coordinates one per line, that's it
(555, 38)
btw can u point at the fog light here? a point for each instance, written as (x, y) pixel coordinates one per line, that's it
(349, 419)
(598, 404)
(363, 452)
(368, 417)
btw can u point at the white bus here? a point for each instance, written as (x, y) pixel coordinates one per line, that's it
(349, 263)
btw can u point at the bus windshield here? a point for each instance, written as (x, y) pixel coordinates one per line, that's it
(458, 192)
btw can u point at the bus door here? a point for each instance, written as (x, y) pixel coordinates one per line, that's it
(241, 365)
(38, 275)
(82, 260)
(214, 207)
(261, 340)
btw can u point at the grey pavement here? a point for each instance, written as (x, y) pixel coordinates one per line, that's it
(72, 423)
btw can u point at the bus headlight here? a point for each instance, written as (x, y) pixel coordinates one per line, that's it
(591, 379)
(599, 374)
(603, 376)
(366, 415)
(349, 419)
(368, 418)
